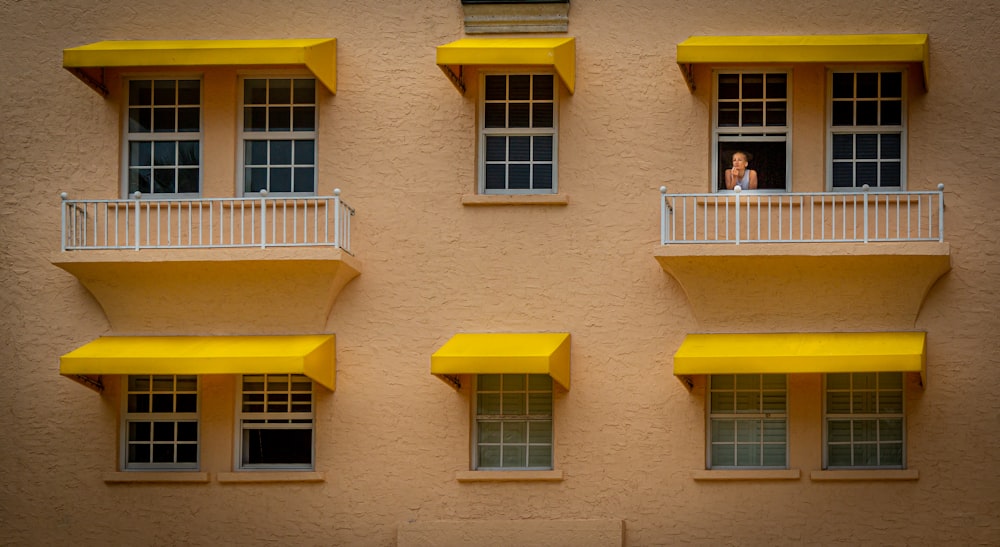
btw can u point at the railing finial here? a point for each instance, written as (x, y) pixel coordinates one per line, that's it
(941, 187)
(663, 190)
(737, 188)
(137, 194)
(263, 193)
(336, 191)
(865, 187)
(64, 196)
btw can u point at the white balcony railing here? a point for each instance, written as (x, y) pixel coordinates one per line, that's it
(752, 217)
(142, 223)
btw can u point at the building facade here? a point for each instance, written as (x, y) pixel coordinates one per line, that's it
(528, 273)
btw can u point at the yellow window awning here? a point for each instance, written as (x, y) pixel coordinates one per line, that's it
(319, 55)
(827, 49)
(790, 353)
(312, 355)
(559, 53)
(504, 353)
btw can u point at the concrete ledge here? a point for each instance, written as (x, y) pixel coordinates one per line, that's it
(155, 476)
(866, 475)
(508, 476)
(270, 476)
(523, 533)
(515, 199)
(747, 475)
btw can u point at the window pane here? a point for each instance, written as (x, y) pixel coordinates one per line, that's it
(723, 402)
(723, 431)
(723, 455)
(515, 432)
(164, 120)
(891, 455)
(520, 87)
(838, 402)
(187, 453)
(729, 86)
(140, 120)
(542, 148)
(489, 456)
(777, 86)
(540, 404)
(139, 180)
(520, 114)
(867, 112)
(305, 152)
(496, 148)
(843, 85)
(843, 175)
(748, 455)
(280, 118)
(187, 402)
(513, 382)
(774, 431)
(540, 432)
(753, 86)
(140, 92)
(496, 177)
(281, 152)
(892, 84)
(747, 381)
(488, 382)
(865, 173)
(540, 456)
(164, 92)
(540, 382)
(139, 453)
(495, 114)
(520, 148)
(747, 401)
(489, 432)
(729, 115)
(255, 118)
(255, 179)
(188, 120)
(513, 403)
(541, 115)
(843, 113)
(305, 179)
(753, 113)
(867, 146)
(164, 153)
(187, 431)
(776, 114)
(304, 118)
(892, 112)
(163, 431)
(867, 84)
(304, 91)
(543, 87)
(723, 381)
(839, 455)
(496, 87)
(774, 455)
(488, 404)
(514, 456)
(280, 91)
(255, 91)
(277, 446)
(520, 177)
(890, 430)
(140, 153)
(541, 176)
(843, 147)
(139, 431)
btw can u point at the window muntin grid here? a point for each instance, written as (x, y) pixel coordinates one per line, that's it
(163, 136)
(747, 421)
(518, 134)
(513, 422)
(278, 135)
(161, 422)
(751, 115)
(276, 422)
(867, 127)
(865, 423)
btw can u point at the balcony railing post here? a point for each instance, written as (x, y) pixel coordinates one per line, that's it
(664, 216)
(940, 188)
(737, 189)
(263, 219)
(137, 195)
(865, 210)
(63, 196)
(336, 217)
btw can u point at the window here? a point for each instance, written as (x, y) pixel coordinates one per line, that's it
(864, 421)
(163, 137)
(276, 422)
(866, 130)
(513, 425)
(161, 423)
(747, 424)
(518, 136)
(278, 135)
(752, 116)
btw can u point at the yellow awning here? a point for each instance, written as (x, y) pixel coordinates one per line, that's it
(319, 55)
(505, 353)
(312, 355)
(846, 49)
(801, 352)
(559, 53)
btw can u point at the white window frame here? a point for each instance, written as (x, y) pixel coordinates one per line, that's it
(128, 417)
(760, 416)
(751, 134)
(274, 420)
(174, 136)
(243, 136)
(477, 418)
(484, 132)
(861, 129)
(875, 417)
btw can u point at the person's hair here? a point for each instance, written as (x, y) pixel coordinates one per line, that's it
(746, 155)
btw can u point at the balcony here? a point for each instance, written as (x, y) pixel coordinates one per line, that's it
(804, 258)
(262, 265)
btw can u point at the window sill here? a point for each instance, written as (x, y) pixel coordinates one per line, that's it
(747, 475)
(866, 475)
(508, 476)
(155, 476)
(514, 199)
(270, 476)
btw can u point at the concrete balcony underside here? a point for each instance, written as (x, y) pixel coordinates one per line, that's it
(795, 286)
(242, 291)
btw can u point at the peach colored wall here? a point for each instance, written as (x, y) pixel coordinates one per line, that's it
(399, 140)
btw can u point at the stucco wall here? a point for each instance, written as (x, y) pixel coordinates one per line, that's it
(399, 140)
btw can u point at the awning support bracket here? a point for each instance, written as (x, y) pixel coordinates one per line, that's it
(688, 71)
(94, 384)
(457, 79)
(97, 85)
(453, 380)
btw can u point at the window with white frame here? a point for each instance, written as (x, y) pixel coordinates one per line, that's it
(161, 423)
(518, 134)
(864, 421)
(867, 129)
(278, 135)
(747, 421)
(163, 136)
(513, 422)
(751, 115)
(275, 418)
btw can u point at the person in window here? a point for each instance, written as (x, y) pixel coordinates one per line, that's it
(740, 175)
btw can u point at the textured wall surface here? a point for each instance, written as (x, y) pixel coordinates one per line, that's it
(399, 140)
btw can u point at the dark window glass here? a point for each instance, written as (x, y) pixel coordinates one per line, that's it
(280, 91)
(776, 114)
(164, 120)
(187, 153)
(866, 173)
(496, 148)
(889, 174)
(753, 114)
(729, 86)
(189, 92)
(255, 91)
(164, 93)
(519, 177)
(496, 176)
(891, 146)
(256, 179)
(843, 113)
(520, 87)
(867, 146)
(543, 87)
(777, 86)
(277, 446)
(304, 91)
(496, 115)
(892, 85)
(753, 86)
(139, 181)
(542, 175)
(188, 120)
(542, 149)
(304, 118)
(305, 152)
(729, 115)
(867, 112)
(165, 153)
(305, 180)
(281, 179)
(163, 182)
(255, 152)
(496, 87)
(281, 152)
(541, 115)
(279, 118)
(140, 120)
(187, 182)
(520, 149)
(892, 113)
(140, 92)
(255, 118)
(843, 85)
(843, 147)
(843, 175)
(520, 115)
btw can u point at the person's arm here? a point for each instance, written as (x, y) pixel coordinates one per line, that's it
(730, 183)
(753, 179)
